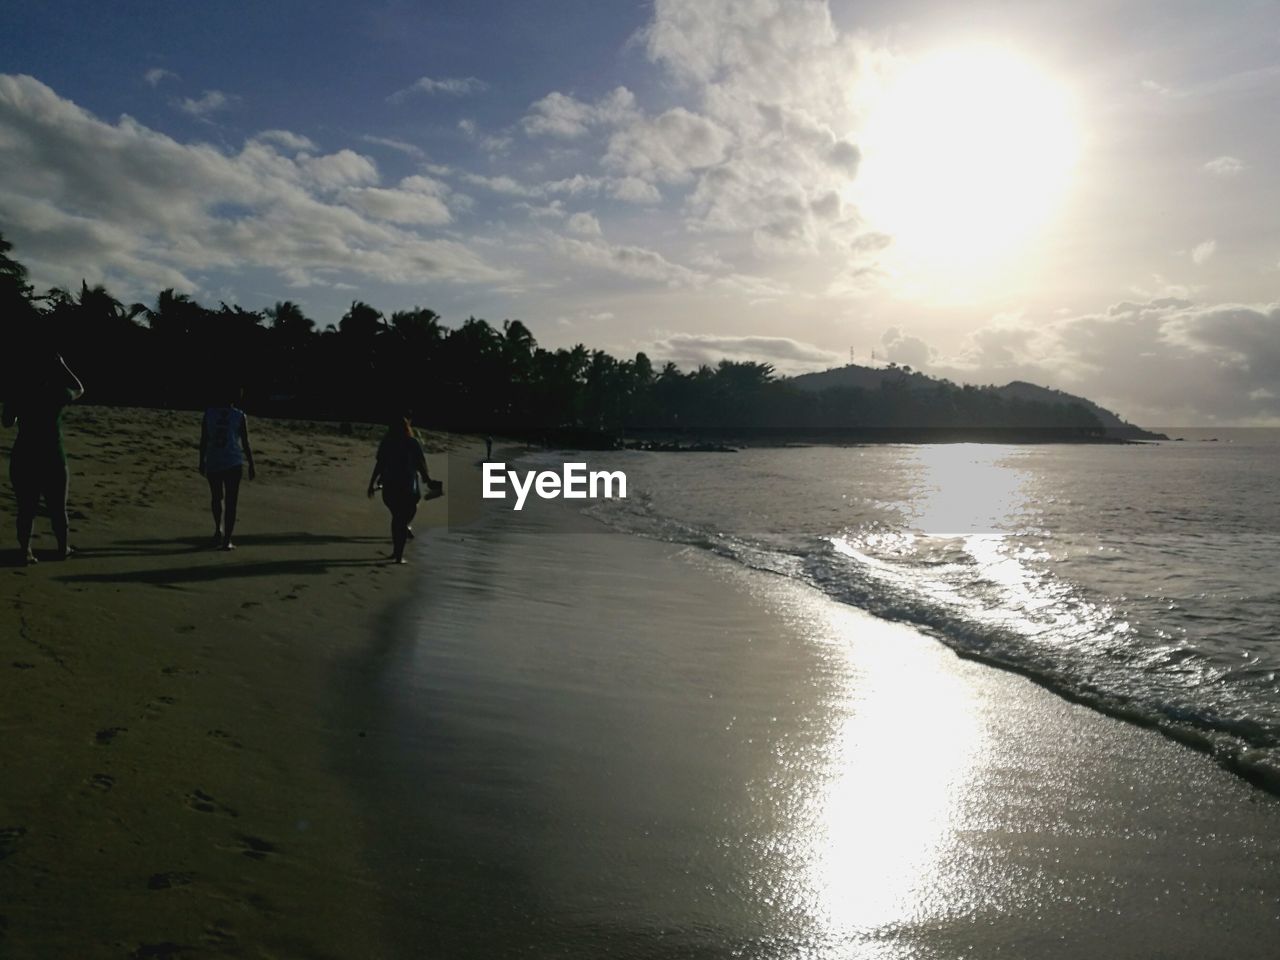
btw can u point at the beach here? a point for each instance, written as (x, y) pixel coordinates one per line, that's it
(546, 737)
(168, 718)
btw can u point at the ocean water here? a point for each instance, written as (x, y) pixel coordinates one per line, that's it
(1140, 579)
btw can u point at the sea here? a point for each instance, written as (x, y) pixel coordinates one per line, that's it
(1140, 578)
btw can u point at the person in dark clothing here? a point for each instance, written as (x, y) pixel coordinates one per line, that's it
(398, 470)
(38, 465)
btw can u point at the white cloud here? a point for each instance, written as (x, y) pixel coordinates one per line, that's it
(901, 347)
(210, 102)
(492, 144)
(668, 148)
(399, 206)
(1224, 166)
(1202, 252)
(787, 355)
(1167, 361)
(446, 86)
(583, 224)
(631, 261)
(287, 139)
(564, 116)
(399, 145)
(634, 190)
(156, 74)
(125, 204)
(501, 184)
(342, 169)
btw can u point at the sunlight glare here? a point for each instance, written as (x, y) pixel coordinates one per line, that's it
(966, 152)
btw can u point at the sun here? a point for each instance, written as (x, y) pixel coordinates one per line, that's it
(965, 153)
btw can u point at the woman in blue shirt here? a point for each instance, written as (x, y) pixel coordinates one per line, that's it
(224, 451)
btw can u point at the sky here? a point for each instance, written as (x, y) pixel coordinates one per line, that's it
(1081, 195)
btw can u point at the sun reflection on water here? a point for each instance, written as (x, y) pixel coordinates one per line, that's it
(904, 745)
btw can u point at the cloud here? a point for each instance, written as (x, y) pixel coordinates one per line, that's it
(490, 143)
(210, 102)
(418, 201)
(445, 86)
(903, 348)
(668, 148)
(501, 184)
(398, 145)
(788, 356)
(583, 224)
(122, 203)
(287, 139)
(634, 190)
(564, 116)
(156, 74)
(1224, 166)
(631, 261)
(336, 170)
(1166, 361)
(1201, 253)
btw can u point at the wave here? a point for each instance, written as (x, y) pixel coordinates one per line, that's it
(986, 597)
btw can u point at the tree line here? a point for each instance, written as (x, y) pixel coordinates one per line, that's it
(177, 352)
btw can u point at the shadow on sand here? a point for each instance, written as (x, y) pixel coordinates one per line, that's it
(182, 545)
(172, 576)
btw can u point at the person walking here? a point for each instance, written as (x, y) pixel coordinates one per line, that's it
(38, 465)
(398, 470)
(224, 453)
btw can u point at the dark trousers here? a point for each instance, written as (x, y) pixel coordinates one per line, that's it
(404, 507)
(225, 483)
(36, 479)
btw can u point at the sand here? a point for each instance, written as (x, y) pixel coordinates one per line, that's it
(167, 731)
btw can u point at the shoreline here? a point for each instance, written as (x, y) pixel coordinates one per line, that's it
(529, 801)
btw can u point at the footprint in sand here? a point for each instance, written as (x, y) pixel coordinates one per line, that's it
(165, 950)
(23, 665)
(201, 802)
(107, 735)
(10, 837)
(102, 781)
(173, 671)
(255, 848)
(165, 881)
(225, 738)
(220, 933)
(155, 708)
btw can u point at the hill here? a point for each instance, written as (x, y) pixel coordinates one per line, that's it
(856, 377)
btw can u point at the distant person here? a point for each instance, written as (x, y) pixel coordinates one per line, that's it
(38, 465)
(224, 452)
(488, 448)
(398, 470)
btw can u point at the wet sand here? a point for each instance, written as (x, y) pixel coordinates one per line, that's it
(586, 744)
(167, 730)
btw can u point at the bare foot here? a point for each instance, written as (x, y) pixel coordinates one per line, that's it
(228, 545)
(30, 559)
(65, 552)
